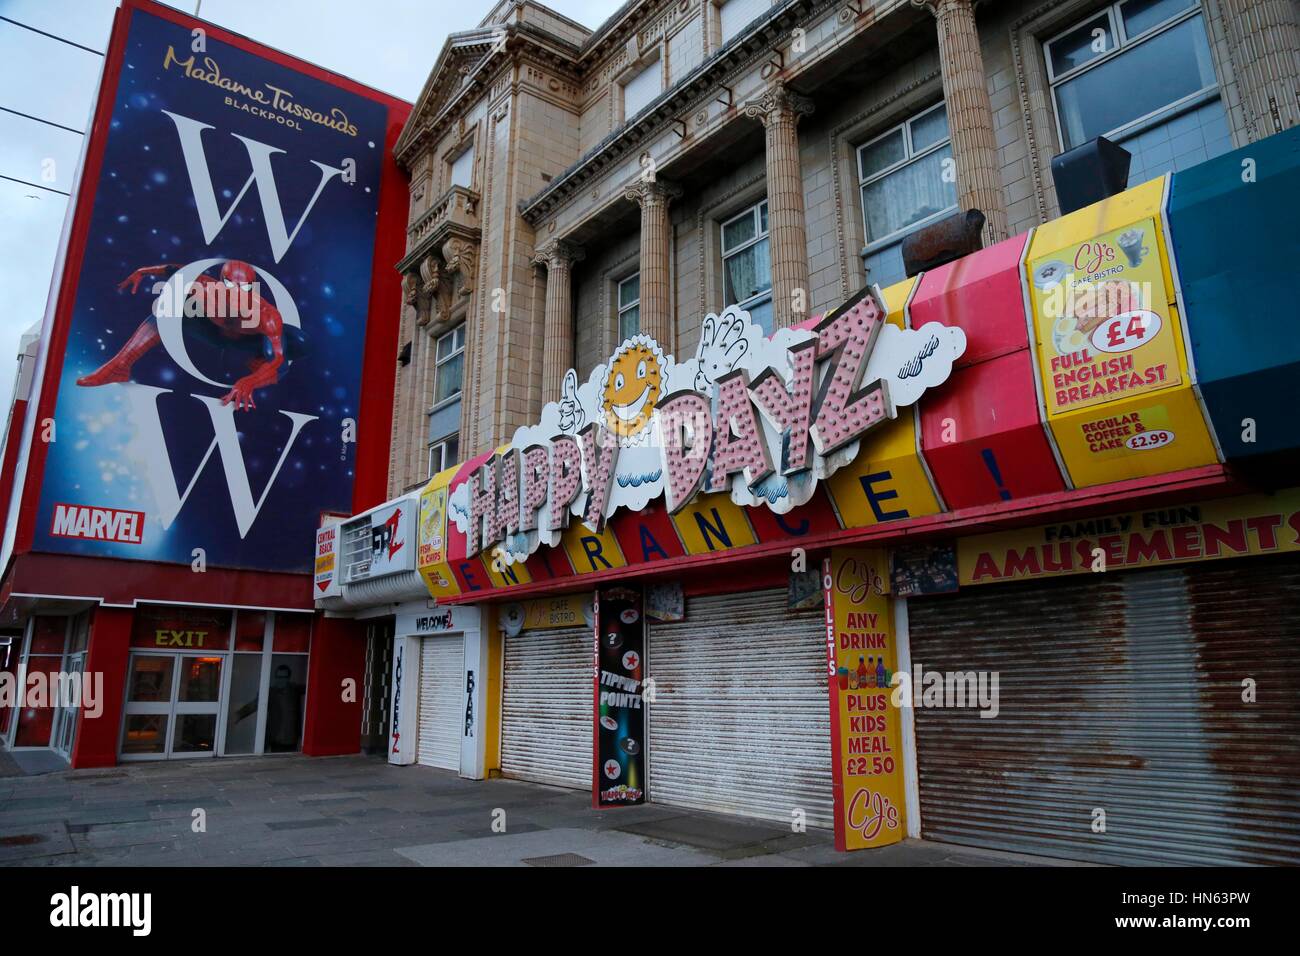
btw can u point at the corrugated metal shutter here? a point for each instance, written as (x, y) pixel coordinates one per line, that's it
(546, 710)
(741, 718)
(1120, 692)
(441, 662)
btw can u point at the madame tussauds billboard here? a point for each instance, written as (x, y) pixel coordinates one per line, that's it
(211, 377)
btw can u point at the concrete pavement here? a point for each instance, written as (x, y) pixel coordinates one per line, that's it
(360, 811)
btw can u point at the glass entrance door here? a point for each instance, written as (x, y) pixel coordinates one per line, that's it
(173, 705)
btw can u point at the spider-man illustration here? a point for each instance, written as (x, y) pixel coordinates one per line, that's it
(237, 318)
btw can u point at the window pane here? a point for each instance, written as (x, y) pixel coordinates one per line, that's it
(629, 290)
(241, 712)
(462, 169)
(929, 129)
(250, 630)
(449, 378)
(200, 680)
(761, 314)
(449, 343)
(195, 733)
(908, 195)
(48, 635)
(284, 703)
(36, 723)
(151, 679)
(748, 273)
(292, 633)
(642, 89)
(885, 265)
(762, 219)
(451, 453)
(881, 154)
(1153, 74)
(1081, 45)
(1142, 15)
(145, 734)
(738, 231)
(629, 323)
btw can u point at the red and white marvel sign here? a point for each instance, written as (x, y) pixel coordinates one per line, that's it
(97, 524)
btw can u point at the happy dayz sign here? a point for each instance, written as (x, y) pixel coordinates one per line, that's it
(763, 418)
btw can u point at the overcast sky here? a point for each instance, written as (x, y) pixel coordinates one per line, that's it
(387, 44)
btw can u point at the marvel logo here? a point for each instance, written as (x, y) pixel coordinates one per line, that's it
(97, 524)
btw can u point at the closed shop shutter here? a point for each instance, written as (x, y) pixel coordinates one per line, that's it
(441, 662)
(741, 718)
(546, 711)
(1120, 692)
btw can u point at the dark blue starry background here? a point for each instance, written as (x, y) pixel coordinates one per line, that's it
(144, 214)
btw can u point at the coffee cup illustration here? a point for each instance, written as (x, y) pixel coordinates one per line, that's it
(1130, 243)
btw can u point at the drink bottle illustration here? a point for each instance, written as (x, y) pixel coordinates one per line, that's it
(862, 673)
(842, 675)
(880, 673)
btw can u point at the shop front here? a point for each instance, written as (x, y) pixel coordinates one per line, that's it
(214, 681)
(166, 474)
(964, 558)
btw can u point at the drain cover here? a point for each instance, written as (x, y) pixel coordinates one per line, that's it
(27, 839)
(558, 859)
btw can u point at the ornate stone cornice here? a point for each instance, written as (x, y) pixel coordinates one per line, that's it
(778, 104)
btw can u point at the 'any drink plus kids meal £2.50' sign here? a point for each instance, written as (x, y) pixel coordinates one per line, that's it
(866, 732)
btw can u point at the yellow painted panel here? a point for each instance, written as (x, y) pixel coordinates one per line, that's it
(588, 551)
(431, 547)
(895, 298)
(1140, 202)
(505, 575)
(712, 523)
(1135, 438)
(886, 482)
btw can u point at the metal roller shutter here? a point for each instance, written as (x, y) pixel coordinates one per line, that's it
(741, 718)
(1120, 692)
(547, 708)
(441, 662)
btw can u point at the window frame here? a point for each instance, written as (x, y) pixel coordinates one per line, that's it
(440, 443)
(438, 363)
(909, 157)
(620, 308)
(1123, 44)
(652, 62)
(760, 234)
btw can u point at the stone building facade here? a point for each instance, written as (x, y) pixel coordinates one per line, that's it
(571, 186)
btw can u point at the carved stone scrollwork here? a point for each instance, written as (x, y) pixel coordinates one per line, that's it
(778, 104)
(461, 255)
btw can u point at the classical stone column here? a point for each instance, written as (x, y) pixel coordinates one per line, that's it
(970, 115)
(1264, 47)
(558, 257)
(780, 110)
(653, 196)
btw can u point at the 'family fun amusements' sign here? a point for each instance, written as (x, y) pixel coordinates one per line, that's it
(763, 419)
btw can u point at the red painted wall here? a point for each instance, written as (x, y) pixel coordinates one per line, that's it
(338, 652)
(106, 654)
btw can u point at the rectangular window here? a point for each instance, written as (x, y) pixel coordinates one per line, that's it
(747, 264)
(735, 15)
(450, 365)
(641, 89)
(443, 454)
(906, 180)
(462, 169)
(629, 307)
(1170, 114)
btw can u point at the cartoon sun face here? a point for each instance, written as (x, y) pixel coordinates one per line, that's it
(632, 387)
